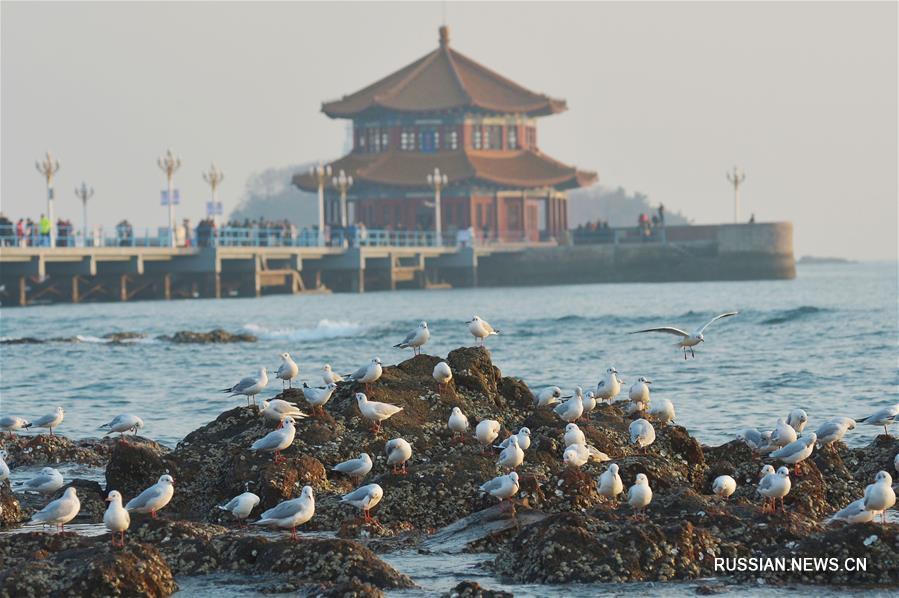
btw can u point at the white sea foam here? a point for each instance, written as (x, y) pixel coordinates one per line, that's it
(325, 329)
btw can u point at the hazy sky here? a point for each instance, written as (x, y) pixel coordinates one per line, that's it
(663, 99)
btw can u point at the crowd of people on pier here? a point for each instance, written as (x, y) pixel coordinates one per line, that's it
(26, 232)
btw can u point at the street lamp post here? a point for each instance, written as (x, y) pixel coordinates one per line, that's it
(84, 193)
(169, 163)
(437, 180)
(343, 182)
(49, 167)
(321, 174)
(214, 176)
(736, 179)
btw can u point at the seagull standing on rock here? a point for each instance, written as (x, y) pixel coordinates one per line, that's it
(398, 452)
(277, 409)
(642, 433)
(123, 423)
(317, 397)
(48, 481)
(249, 386)
(571, 410)
(365, 499)
(4, 468)
(639, 393)
(880, 495)
(367, 374)
(277, 440)
(782, 435)
(374, 411)
(854, 512)
(458, 423)
(154, 498)
(548, 396)
(415, 339)
(355, 468)
(724, 486)
(60, 511)
(609, 387)
(443, 375)
(12, 423)
(797, 419)
(241, 506)
(578, 455)
(290, 513)
(574, 435)
(287, 371)
(834, 430)
(50, 421)
(328, 375)
(523, 437)
(589, 400)
(116, 518)
(688, 339)
(609, 484)
(480, 329)
(797, 451)
(639, 496)
(486, 432)
(883, 417)
(512, 456)
(662, 410)
(775, 485)
(503, 487)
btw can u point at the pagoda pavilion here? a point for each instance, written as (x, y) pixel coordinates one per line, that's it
(478, 128)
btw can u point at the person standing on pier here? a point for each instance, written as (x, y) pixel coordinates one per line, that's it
(44, 226)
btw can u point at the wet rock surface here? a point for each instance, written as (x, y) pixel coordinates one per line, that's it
(44, 449)
(218, 335)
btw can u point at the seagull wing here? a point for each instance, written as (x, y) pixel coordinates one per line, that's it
(357, 494)
(284, 510)
(360, 373)
(666, 329)
(144, 498)
(243, 385)
(269, 441)
(718, 317)
(492, 485)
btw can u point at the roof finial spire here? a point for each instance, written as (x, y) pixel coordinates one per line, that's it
(444, 36)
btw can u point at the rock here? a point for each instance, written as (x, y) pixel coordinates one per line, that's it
(135, 465)
(213, 336)
(471, 589)
(40, 564)
(118, 338)
(90, 494)
(43, 449)
(10, 510)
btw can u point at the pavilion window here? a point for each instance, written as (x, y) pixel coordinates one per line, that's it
(385, 139)
(452, 138)
(407, 139)
(429, 140)
(486, 143)
(476, 138)
(493, 137)
(512, 137)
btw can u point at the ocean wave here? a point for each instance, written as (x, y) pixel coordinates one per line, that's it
(325, 329)
(790, 315)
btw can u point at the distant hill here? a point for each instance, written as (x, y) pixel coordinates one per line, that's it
(616, 206)
(270, 195)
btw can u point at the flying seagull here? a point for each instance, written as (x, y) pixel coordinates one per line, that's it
(688, 339)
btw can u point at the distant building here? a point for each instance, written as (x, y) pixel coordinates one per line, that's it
(447, 111)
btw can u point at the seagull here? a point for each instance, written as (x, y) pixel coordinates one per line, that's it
(116, 518)
(896, 463)
(589, 400)
(355, 468)
(783, 434)
(60, 511)
(834, 430)
(640, 494)
(642, 433)
(123, 423)
(277, 409)
(639, 392)
(724, 486)
(512, 456)
(290, 513)
(578, 455)
(797, 420)
(328, 375)
(458, 423)
(287, 371)
(415, 339)
(503, 487)
(775, 485)
(11, 423)
(797, 451)
(48, 481)
(398, 452)
(574, 435)
(4, 468)
(277, 440)
(662, 410)
(880, 495)
(609, 483)
(609, 387)
(367, 374)
(571, 410)
(249, 386)
(854, 512)
(480, 329)
(688, 339)
(317, 397)
(883, 417)
(374, 411)
(486, 432)
(50, 421)
(523, 437)
(365, 498)
(241, 506)
(443, 375)
(752, 438)
(549, 396)
(154, 498)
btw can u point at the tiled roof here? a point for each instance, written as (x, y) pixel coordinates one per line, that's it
(444, 80)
